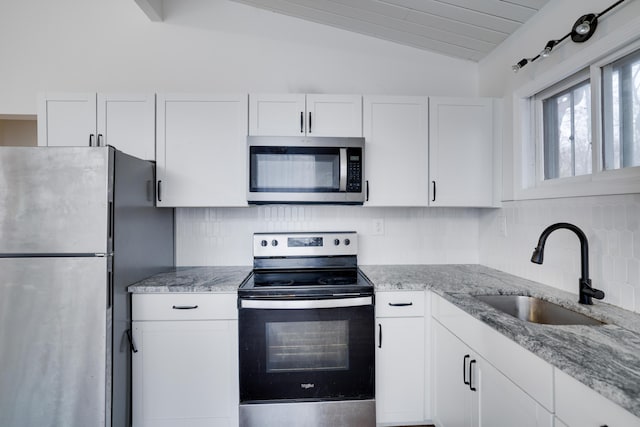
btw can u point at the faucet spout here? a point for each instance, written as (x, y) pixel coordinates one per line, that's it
(585, 289)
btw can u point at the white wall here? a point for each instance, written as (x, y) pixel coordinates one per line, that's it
(611, 223)
(202, 45)
(411, 235)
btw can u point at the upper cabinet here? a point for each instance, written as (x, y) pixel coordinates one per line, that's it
(202, 150)
(463, 147)
(124, 121)
(396, 132)
(305, 115)
(431, 151)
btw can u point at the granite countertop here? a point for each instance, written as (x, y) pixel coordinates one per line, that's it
(193, 279)
(606, 358)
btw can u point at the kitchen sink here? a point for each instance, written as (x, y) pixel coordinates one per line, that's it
(536, 310)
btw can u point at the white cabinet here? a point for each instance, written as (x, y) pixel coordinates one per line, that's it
(185, 370)
(402, 366)
(124, 121)
(310, 115)
(579, 406)
(513, 386)
(396, 158)
(201, 150)
(470, 392)
(455, 404)
(463, 144)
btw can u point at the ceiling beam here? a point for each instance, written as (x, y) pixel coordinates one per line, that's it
(151, 8)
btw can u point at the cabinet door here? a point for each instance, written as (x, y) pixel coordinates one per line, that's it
(67, 119)
(461, 141)
(128, 123)
(400, 365)
(580, 406)
(277, 115)
(397, 165)
(201, 150)
(185, 374)
(503, 404)
(334, 115)
(454, 401)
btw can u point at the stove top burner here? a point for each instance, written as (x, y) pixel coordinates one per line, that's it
(314, 265)
(291, 284)
(335, 281)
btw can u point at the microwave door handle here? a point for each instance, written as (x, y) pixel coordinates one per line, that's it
(343, 170)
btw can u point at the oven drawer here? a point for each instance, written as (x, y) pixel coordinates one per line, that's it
(187, 306)
(400, 304)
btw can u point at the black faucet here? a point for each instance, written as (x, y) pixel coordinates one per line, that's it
(586, 291)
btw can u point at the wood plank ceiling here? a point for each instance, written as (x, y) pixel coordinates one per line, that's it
(467, 29)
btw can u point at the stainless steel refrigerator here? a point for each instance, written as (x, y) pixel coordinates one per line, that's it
(77, 226)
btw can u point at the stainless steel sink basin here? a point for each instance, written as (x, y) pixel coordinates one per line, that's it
(537, 310)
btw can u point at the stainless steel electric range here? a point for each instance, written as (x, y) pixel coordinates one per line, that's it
(306, 333)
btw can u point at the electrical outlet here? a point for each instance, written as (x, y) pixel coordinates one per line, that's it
(378, 227)
(502, 225)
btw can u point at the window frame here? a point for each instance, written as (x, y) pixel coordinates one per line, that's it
(529, 182)
(561, 87)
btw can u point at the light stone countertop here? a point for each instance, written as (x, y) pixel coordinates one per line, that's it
(193, 279)
(606, 358)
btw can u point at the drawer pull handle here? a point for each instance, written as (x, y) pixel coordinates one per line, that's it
(185, 307)
(400, 304)
(471, 387)
(464, 369)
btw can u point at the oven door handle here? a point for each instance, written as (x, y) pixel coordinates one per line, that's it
(343, 170)
(305, 303)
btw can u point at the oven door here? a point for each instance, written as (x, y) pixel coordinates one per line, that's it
(306, 350)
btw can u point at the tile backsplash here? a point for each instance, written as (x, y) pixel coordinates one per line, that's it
(222, 236)
(500, 238)
(611, 223)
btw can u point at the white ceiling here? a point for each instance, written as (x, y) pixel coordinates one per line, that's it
(467, 29)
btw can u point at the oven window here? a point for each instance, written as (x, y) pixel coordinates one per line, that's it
(294, 169)
(307, 346)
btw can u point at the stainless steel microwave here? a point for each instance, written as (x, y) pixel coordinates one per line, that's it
(293, 169)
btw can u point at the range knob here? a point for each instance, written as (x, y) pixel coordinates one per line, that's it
(347, 242)
(263, 243)
(274, 242)
(336, 242)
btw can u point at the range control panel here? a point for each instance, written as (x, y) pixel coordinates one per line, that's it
(305, 244)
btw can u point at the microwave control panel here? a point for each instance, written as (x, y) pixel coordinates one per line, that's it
(354, 170)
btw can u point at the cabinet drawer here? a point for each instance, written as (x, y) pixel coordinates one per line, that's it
(400, 304)
(187, 306)
(578, 405)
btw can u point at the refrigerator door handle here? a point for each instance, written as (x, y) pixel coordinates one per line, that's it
(132, 344)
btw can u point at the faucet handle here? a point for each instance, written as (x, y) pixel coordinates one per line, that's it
(594, 293)
(587, 292)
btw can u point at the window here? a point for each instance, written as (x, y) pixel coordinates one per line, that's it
(566, 122)
(577, 133)
(621, 112)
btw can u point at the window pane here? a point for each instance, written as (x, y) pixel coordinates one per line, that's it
(567, 132)
(621, 86)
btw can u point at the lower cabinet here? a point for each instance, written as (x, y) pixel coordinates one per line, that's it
(185, 370)
(470, 392)
(454, 397)
(402, 365)
(579, 406)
